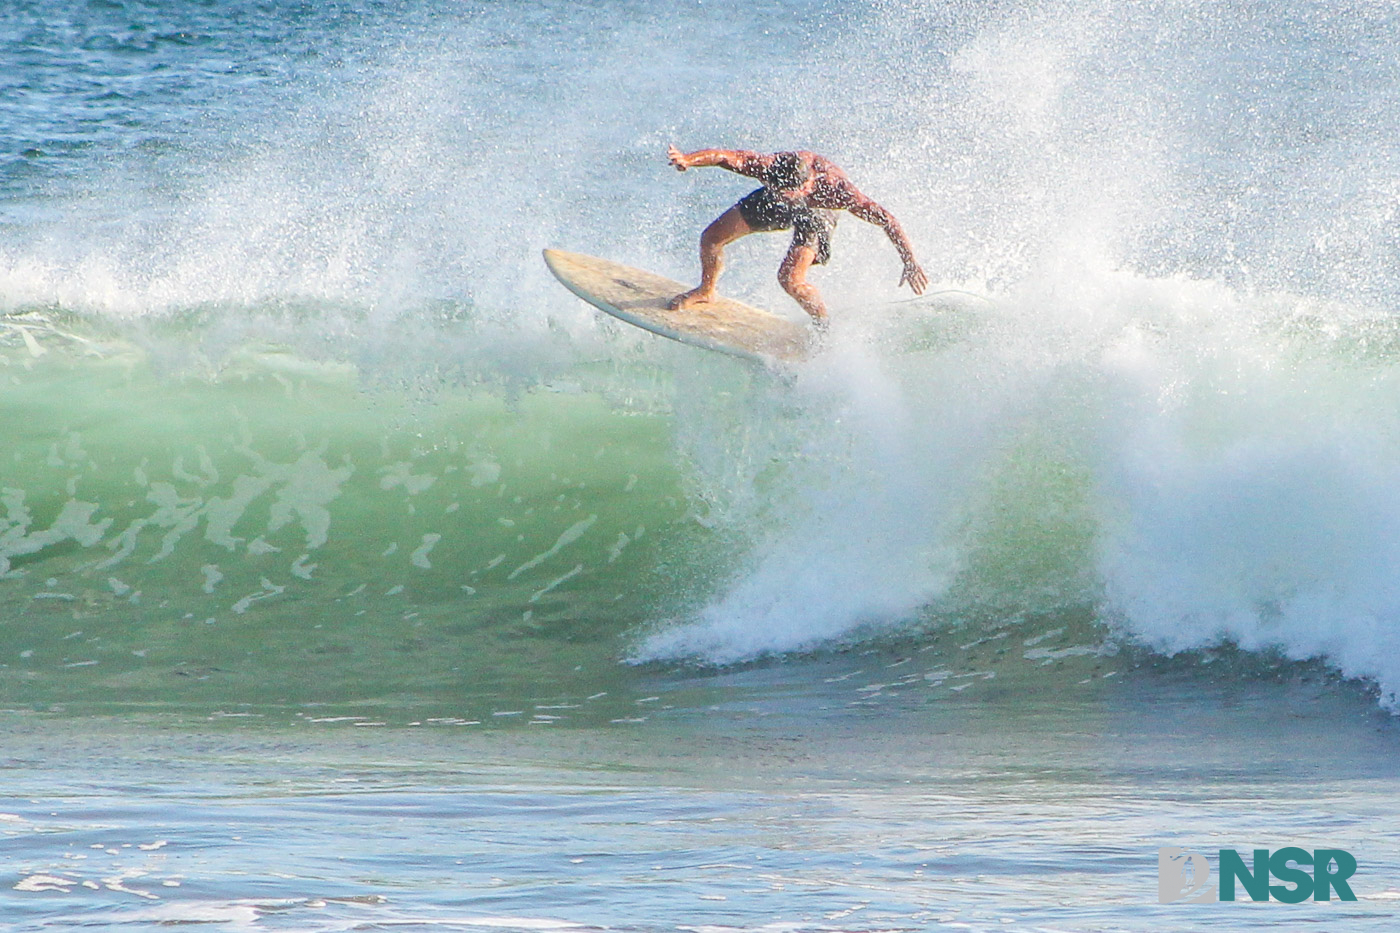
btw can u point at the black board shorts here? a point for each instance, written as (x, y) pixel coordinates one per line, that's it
(765, 212)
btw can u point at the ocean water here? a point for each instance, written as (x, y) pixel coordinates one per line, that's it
(356, 576)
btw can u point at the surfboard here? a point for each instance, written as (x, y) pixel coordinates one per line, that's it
(639, 298)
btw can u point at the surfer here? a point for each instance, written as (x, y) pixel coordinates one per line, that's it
(801, 192)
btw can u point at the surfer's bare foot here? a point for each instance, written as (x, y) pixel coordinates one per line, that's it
(691, 299)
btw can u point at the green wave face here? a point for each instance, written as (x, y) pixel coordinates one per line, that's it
(282, 536)
(252, 532)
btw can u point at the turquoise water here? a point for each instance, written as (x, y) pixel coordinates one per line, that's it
(776, 805)
(354, 575)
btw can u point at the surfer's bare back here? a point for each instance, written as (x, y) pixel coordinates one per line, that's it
(801, 192)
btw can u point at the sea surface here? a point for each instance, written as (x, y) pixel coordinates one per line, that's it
(354, 575)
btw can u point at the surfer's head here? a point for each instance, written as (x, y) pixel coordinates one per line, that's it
(789, 170)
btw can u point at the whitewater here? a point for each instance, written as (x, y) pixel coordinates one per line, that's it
(311, 475)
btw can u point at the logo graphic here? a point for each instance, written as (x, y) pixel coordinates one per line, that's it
(1182, 874)
(1185, 876)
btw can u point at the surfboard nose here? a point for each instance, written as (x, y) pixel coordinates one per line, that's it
(555, 258)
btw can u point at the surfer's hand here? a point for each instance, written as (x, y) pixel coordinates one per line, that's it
(914, 276)
(677, 158)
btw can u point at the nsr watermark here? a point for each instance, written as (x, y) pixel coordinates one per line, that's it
(1185, 876)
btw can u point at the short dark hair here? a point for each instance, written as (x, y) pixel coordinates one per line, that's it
(789, 170)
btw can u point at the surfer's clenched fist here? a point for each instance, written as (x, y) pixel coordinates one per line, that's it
(801, 191)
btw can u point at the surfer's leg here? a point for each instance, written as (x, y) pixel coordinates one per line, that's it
(725, 229)
(792, 275)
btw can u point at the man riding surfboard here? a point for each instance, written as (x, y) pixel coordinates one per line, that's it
(801, 192)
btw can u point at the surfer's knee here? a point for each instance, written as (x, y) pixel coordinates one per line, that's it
(792, 274)
(711, 236)
(712, 247)
(793, 281)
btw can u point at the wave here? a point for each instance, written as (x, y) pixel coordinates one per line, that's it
(1206, 469)
(309, 367)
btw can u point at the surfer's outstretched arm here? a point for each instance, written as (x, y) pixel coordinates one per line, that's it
(739, 161)
(870, 212)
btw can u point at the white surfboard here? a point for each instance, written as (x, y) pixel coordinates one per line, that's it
(639, 297)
